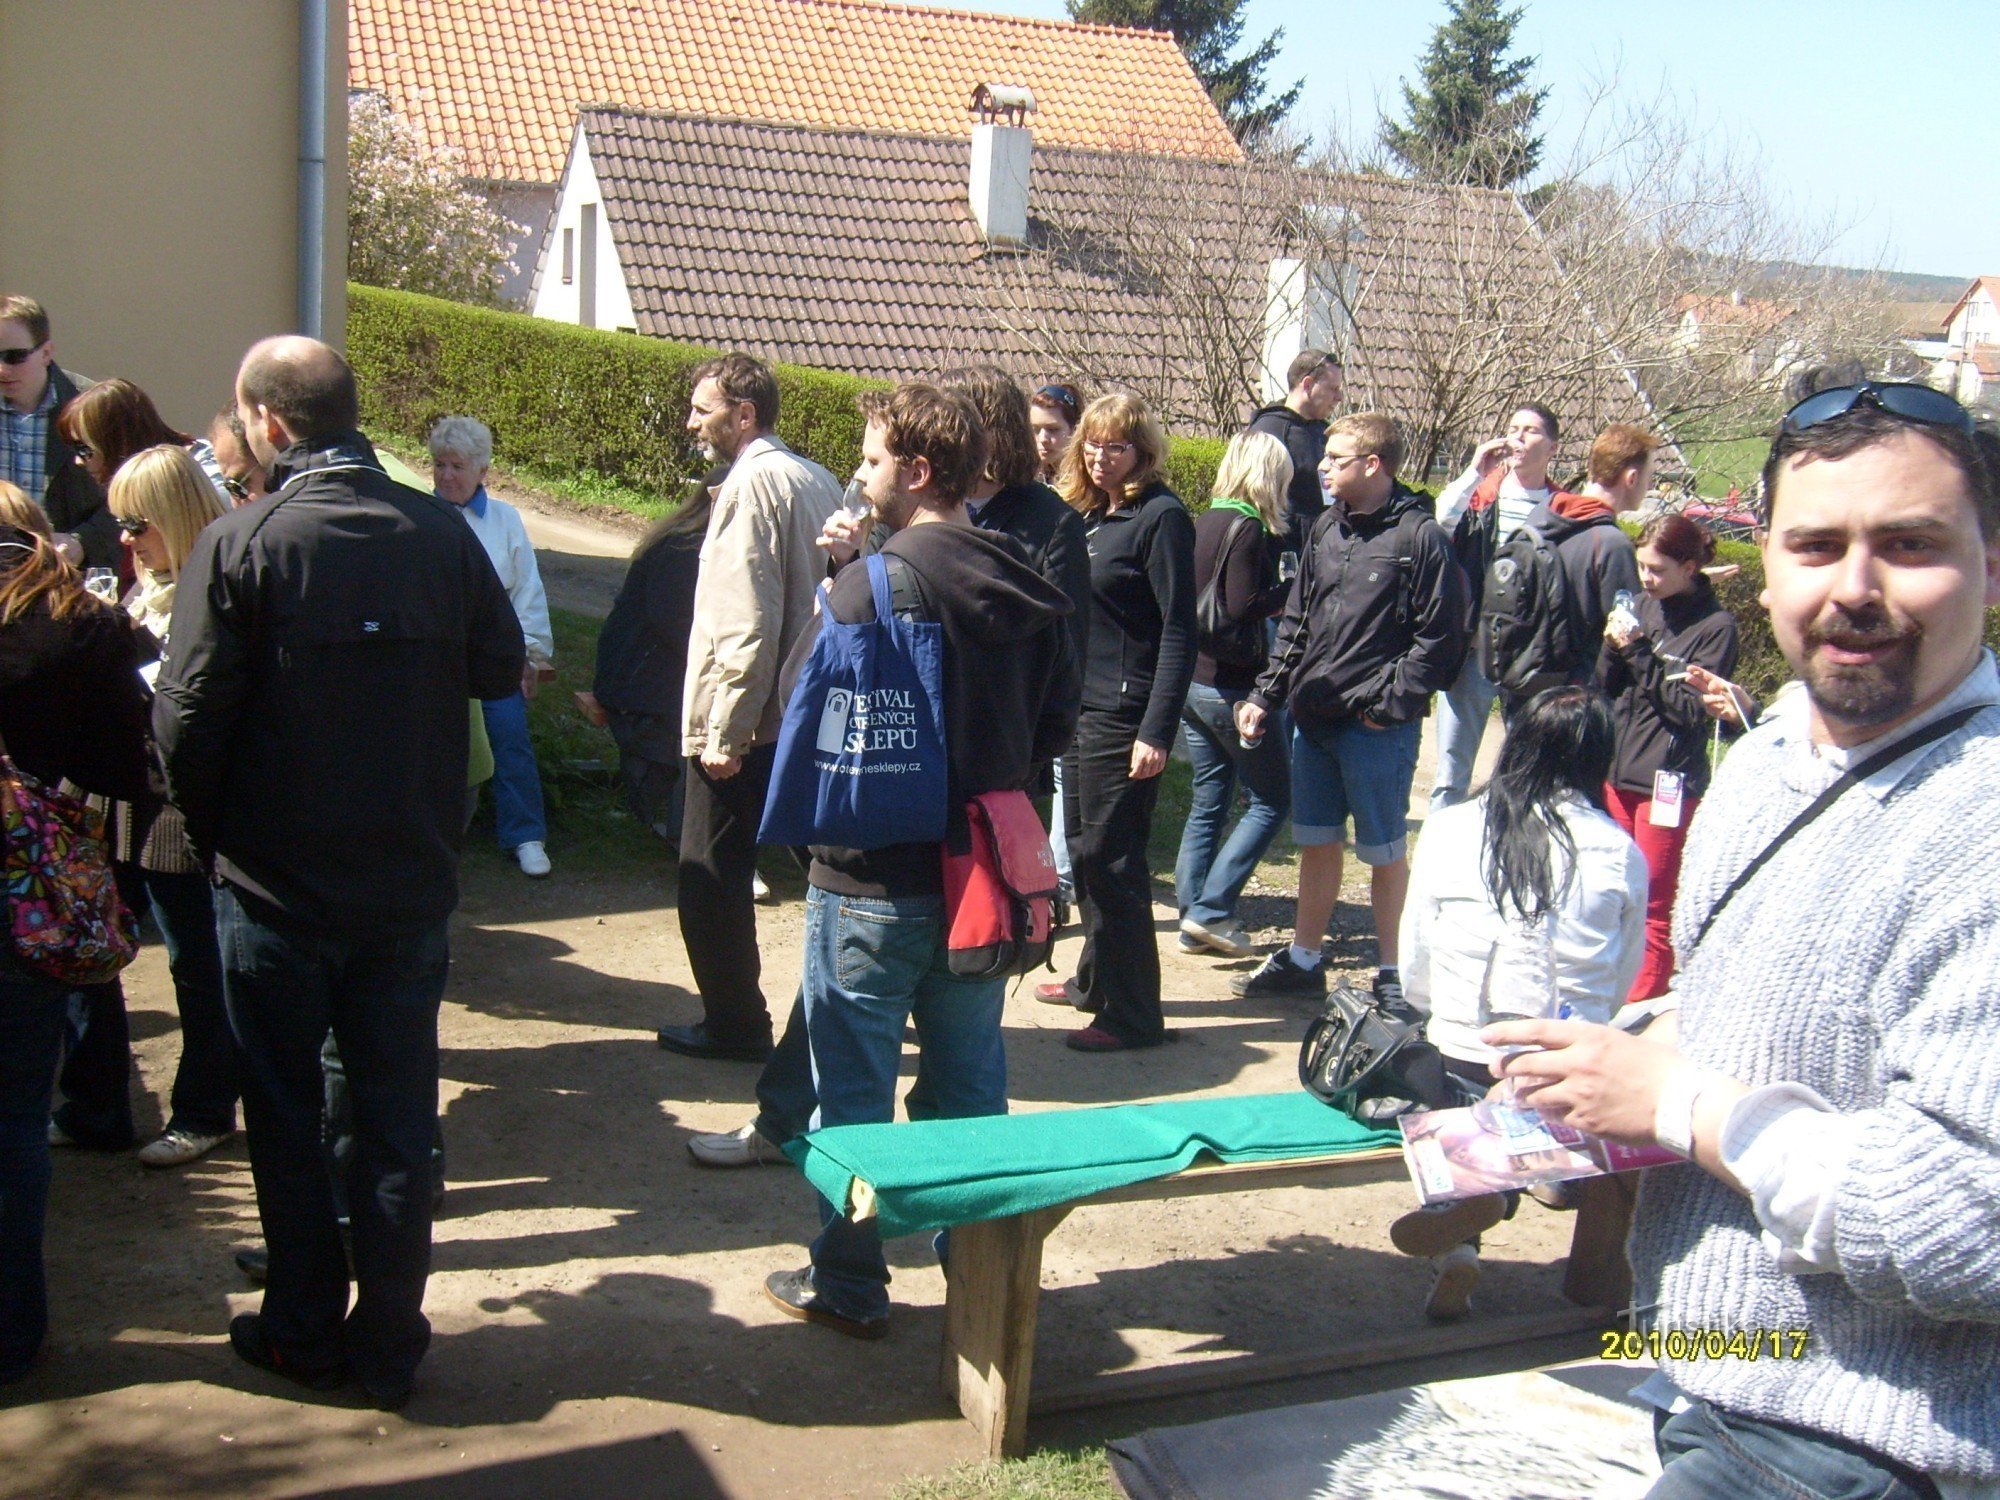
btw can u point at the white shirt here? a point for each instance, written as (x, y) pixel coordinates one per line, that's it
(500, 531)
(1460, 956)
(1515, 502)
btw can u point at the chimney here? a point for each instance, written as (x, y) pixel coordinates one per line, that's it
(1002, 148)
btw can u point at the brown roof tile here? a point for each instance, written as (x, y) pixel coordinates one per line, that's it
(502, 80)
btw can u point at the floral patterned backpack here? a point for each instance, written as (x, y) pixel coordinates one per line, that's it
(65, 918)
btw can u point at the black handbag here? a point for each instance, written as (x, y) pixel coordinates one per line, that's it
(1371, 1063)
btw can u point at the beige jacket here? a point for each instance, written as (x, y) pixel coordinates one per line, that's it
(753, 595)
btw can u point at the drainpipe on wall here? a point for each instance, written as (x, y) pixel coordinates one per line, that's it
(312, 166)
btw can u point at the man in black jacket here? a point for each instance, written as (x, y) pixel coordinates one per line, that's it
(33, 455)
(1375, 624)
(311, 715)
(875, 934)
(1314, 386)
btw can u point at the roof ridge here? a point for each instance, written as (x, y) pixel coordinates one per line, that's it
(1003, 18)
(757, 122)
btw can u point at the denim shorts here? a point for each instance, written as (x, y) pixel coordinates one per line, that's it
(1352, 771)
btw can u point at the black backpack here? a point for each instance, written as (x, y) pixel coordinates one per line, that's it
(1530, 636)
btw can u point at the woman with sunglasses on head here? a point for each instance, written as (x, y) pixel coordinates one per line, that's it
(163, 501)
(72, 708)
(107, 423)
(1664, 723)
(1053, 412)
(1141, 657)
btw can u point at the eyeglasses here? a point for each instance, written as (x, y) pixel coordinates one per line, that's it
(1107, 450)
(236, 488)
(18, 356)
(1914, 403)
(134, 527)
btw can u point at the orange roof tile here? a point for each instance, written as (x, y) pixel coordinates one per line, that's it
(1989, 284)
(502, 80)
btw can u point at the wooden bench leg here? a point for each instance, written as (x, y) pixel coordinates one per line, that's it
(993, 1284)
(1598, 1275)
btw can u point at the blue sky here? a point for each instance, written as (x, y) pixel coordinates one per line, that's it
(1882, 114)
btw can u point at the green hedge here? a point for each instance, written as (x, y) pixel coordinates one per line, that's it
(585, 404)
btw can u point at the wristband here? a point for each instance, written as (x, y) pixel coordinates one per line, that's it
(1673, 1115)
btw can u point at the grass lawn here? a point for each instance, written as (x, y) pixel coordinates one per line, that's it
(1040, 1476)
(1717, 465)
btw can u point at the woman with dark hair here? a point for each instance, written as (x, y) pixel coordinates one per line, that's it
(72, 708)
(109, 422)
(1526, 900)
(1135, 680)
(1053, 412)
(1664, 724)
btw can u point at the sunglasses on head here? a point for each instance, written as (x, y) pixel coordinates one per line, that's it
(18, 356)
(134, 527)
(1913, 403)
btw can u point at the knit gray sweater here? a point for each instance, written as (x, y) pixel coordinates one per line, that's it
(1864, 962)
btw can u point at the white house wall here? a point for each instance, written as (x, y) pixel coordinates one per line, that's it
(558, 298)
(1978, 322)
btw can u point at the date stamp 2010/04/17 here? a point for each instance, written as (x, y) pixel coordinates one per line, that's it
(1704, 1343)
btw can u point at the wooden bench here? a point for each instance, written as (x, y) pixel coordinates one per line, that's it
(993, 1288)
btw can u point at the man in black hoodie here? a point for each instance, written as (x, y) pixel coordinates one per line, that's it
(1314, 386)
(875, 936)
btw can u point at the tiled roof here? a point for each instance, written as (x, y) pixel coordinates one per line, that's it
(1753, 312)
(855, 251)
(502, 80)
(1989, 284)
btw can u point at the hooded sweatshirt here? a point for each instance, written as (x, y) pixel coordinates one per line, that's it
(1011, 685)
(1598, 561)
(1305, 441)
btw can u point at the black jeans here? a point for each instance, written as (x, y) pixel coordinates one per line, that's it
(1109, 817)
(204, 1096)
(718, 914)
(31, 1029)
(96, 1080)
(287, 985)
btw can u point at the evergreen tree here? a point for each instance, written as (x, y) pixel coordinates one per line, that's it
(1473, 119)
(1207, 31)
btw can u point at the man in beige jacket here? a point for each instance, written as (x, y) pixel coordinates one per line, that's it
(753, 597)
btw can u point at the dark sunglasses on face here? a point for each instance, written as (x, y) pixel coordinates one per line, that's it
(134, 527)
(1914, 403)
(16, 356)
(237, 489)
(82, 451)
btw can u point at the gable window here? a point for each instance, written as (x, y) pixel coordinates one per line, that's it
(569, 257)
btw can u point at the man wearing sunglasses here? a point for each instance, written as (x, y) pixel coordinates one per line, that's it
(1824, 1277)
(33, 455)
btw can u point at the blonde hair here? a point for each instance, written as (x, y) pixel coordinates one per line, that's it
(165, 487)
(16, 509)
(1375, 433)
(1257, 470)
(1119, 417)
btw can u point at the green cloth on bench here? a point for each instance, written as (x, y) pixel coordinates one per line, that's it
(929, 1174)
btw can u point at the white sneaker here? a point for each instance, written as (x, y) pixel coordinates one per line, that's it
(1228, 939)
(758, 890)
(735, 1148)
(534, 859)
(1451, 1290)
(176, 1148)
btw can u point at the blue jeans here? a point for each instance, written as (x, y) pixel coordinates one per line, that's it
(785, 1097)
(1207, 881)
(32, 1015)
(287, 984)
(871, 966)
(1707, 1451)
(1059, 832)
(1350, 770)
(517, 782)
(204, 1096)
(1463, 710)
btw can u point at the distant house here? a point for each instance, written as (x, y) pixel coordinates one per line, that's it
(501, 81)
(1759, 337)
(1968, 364)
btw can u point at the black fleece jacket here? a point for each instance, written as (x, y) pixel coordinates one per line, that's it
(72, 707)
(311, 708)
(1305, 441)
(1052, 535)
(1662, 725)
(1010, 685)
(1375, 621)
(1142, 636)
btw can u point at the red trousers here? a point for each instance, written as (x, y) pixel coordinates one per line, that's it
(1662, 848)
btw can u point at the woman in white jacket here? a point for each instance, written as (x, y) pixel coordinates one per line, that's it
(461, 449)
(1527, 900)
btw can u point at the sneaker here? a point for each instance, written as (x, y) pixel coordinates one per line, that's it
(1064, 993)
(177, 1147)
(1228, 939)
(533, 858)
(60, 1137)
(736, 1148)
(1389, 993)
(1097, 1039)
(794, 1294)
(1279, 975)
(1430, 1232)
(1451, 1288)
(247, 1338)
(1189, 945)
(759, 891)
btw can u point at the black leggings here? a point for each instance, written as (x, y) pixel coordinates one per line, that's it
(1108, 818)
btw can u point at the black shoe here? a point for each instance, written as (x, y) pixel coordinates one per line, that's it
(794, 1294)
(694, 1041)
(388, 1392)
(1279, 975)
(1389, 993)
(255, 1264)
(246, 1337)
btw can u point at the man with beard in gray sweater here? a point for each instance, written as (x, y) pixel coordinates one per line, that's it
(1821, 1286)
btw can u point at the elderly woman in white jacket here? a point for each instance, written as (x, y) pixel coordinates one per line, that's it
(1526, 901)
(461, 450)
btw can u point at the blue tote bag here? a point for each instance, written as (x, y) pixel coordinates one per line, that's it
(860, 760)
